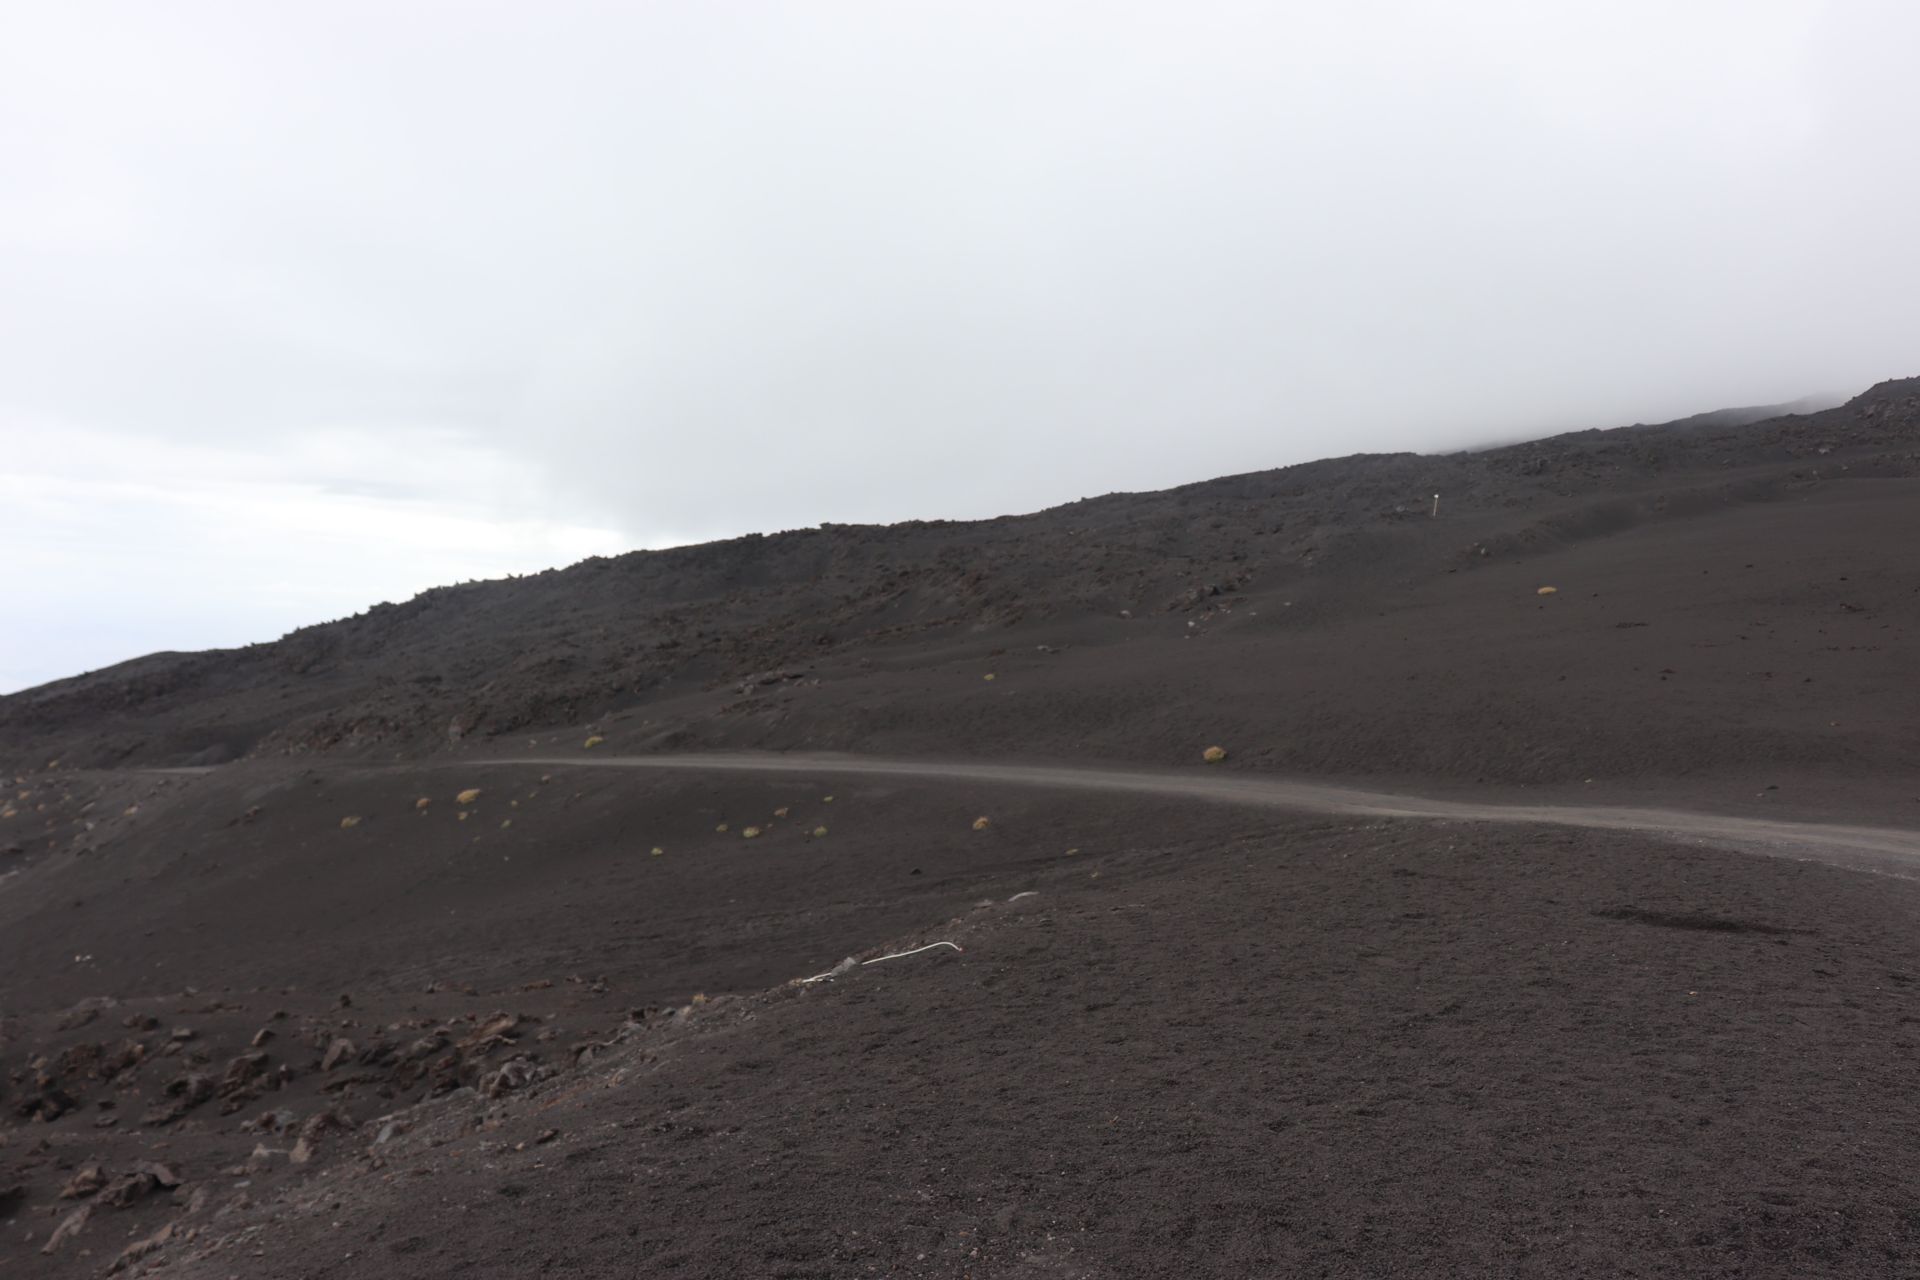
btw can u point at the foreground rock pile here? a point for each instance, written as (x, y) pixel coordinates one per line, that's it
(166, 1128)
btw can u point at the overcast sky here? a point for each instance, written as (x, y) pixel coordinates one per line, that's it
(307, 306)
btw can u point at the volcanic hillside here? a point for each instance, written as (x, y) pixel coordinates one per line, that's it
(859, 902)
(1726, 596)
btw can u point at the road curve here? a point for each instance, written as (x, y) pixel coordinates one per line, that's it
(1887, 850)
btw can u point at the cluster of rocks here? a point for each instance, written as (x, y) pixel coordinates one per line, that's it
(482, 1058)
(97, 1189)
(444, 1058)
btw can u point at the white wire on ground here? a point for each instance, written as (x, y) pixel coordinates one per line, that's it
(847, 964)
(916, 951)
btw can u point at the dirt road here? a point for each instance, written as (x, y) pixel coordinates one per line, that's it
(1886, 850)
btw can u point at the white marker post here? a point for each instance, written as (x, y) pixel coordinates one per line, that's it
(1436, 506)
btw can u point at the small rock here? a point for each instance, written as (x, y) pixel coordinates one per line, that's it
(69, 1228)
(52, 1103)
(188, 1092)
(242, 1070)
(516, 1074)
(163, 1174)
(320, 1123)
(424, 1047)
(85, 1011)
(341, 1050)
(84, 1182)
(127, 1189)
(141, 1248)
(277, 1121)
(497, 1029)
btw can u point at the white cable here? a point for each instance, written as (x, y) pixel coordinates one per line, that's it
(916, 951)
(842, 967)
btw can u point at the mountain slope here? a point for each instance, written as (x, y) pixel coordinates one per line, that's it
(1320, 552)
(406, 991)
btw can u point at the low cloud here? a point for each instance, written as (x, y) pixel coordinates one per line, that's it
(118, 541)
(418, 292)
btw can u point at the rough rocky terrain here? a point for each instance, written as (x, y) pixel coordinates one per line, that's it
(333, 956)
